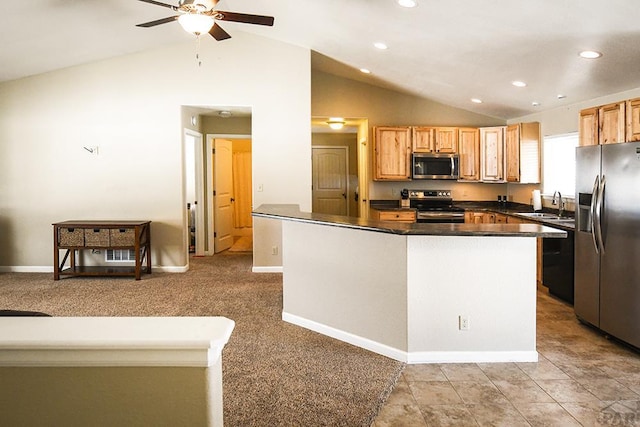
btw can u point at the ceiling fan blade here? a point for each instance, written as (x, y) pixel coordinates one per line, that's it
(157, 3)
(244, 18)
(218, 33)
(158, 22)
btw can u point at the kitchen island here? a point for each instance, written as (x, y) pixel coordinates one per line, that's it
(418, 293)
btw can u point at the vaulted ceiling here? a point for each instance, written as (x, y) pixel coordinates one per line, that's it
(446, 50)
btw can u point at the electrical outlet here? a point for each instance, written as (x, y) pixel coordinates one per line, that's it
(274, 250)
(463, 323)
(260, 188)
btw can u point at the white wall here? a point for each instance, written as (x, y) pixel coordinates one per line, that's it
(130, 107)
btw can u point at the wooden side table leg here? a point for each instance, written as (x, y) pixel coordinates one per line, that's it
(148, 245)
(138, 236)
(56, 255)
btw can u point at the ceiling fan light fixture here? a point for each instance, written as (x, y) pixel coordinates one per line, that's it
(196, 23)
(336, 123)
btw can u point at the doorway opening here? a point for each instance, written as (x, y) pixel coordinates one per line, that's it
(340, 167)
(217, 179)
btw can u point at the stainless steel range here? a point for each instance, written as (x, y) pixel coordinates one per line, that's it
(434, 206)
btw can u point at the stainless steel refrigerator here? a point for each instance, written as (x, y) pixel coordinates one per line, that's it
(607, 239)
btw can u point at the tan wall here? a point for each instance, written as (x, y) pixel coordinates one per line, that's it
(103, 396)
(130, 107)
(336, 96)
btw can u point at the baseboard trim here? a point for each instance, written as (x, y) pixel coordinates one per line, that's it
(347, 337)
(267, 269)
(417, 357)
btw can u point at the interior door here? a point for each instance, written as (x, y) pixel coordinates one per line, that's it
(222, 194)
(330, 188)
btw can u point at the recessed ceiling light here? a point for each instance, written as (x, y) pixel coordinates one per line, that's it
(535, 104)
(560, 96)
(365, 70)
(476, 100)
(590, 54)
(408, 3)
(518, 83)
(380, 45)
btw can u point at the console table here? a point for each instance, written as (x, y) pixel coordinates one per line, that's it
(72, 236)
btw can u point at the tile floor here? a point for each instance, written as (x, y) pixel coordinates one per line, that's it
(581, 379)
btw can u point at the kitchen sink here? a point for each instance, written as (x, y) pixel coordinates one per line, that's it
(542, 215)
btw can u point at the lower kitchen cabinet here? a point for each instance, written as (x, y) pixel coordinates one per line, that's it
(405, 215)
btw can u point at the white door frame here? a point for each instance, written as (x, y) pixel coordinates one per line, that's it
(200, 196)
(209, 162)
(346, 169)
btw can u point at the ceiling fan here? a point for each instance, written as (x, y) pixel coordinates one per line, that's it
(199, 16)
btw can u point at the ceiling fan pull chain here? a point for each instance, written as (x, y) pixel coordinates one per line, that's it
(198, 61)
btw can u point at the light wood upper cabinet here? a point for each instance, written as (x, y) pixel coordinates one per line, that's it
(589, 127)
(424, 139)
(392, 153)
(446, 140)
(469, 151)
(491, 153)
(512, 156)
(522, 153)
(427, 139)
(611, 119)
(633, 120)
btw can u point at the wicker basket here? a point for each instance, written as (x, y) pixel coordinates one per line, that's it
(96, 236)
(122, 236)
(70, 237)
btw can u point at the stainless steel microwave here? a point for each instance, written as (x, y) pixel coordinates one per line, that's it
(434, 166)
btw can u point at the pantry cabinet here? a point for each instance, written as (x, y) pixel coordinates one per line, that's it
(469, 152)
(392, 153)
(427, 139)
(491, 154)
(611, 120)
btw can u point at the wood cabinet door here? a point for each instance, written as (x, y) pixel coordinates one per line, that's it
(469, 152)
(589, 127)
(488, 218)
(633, 120)
(512, 153)
(501, 219)
(611, 119)
(473, 217)
(424, 139)
(446, 140)
(491, 153)
(392, 154)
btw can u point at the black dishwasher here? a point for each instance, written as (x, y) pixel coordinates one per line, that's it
(557, 266)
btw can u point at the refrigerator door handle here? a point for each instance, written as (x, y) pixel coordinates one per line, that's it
(599, 208)
(592, 213)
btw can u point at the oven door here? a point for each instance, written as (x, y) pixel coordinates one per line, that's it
(440, 217)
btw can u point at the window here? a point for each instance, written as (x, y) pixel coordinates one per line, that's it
(559, 160)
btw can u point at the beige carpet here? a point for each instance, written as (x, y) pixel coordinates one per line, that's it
(275, 373)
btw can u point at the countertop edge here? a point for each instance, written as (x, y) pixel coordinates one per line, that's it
(292, 213)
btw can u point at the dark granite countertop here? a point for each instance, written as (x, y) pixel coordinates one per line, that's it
(510, 208)
(293, 213)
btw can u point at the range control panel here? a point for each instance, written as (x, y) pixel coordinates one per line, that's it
(429, 194)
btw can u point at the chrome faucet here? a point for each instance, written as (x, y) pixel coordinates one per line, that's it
(558, 202)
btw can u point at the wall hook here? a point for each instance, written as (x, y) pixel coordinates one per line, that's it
(88, 149)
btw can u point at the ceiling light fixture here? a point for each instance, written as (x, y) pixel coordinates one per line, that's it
(560, 96)
(590, 54)
(535, 104)
(381, 46)
(518, 83)
(196, 23)
(408, 3)
(476, 100)
(336, 123)
(365, 70)
(224, 114)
